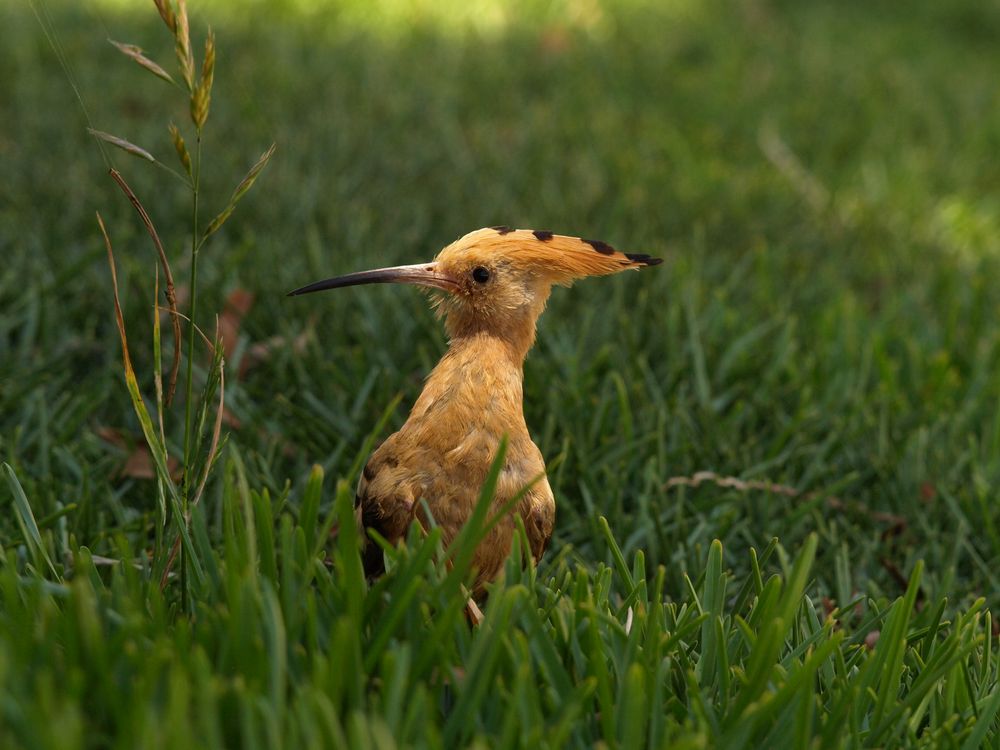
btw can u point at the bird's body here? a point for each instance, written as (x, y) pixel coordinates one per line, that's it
(443, 452)
(496, 282)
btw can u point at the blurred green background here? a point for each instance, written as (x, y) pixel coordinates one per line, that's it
(822, 179)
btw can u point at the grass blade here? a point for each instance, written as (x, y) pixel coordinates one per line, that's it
(29, 528)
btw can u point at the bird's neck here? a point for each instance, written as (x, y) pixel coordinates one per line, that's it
(508, 339)
(478, 381)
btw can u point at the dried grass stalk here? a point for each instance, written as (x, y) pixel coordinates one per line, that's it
(747, 485)
(168, 279)
(209, 460)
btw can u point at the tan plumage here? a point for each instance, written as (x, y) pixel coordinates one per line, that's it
(490, 287)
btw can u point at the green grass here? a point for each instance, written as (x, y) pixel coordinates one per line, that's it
(822, 180)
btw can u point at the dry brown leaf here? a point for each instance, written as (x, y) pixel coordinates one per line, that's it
(928, 492)
(262, 350)
(238, 304)
(555, 41)
(829, 605)
(139, 463)
(111, 436)
(230, 419)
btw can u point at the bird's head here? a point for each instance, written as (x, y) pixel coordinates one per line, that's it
(498, 279)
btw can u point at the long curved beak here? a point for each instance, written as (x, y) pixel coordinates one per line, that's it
(421, 274)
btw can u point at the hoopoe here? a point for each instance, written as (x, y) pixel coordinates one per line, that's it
(490, 287)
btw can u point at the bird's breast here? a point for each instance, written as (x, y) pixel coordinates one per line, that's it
(467, 391)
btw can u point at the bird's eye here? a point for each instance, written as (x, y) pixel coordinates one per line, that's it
(480, 275)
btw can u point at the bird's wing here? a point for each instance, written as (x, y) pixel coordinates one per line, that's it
(538, 511)
(381, 503)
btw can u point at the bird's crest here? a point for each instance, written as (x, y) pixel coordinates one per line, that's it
(560, 257)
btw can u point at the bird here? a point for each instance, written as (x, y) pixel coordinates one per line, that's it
(490, 287)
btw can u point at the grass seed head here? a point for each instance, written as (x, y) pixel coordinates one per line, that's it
(180, 147)
(208, 64)
(182, 36)
(202, 96)
(135, 53)
(121, 143)
(167, 14)
(200, 100)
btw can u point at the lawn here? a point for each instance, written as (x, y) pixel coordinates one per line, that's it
(776, 457)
